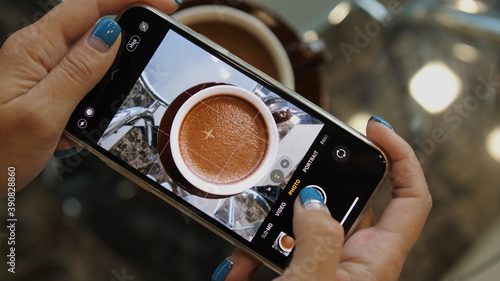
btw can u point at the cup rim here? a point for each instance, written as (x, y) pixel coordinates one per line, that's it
(249, 23)
(250, 181)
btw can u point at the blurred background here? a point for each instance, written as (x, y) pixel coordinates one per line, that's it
(429, 68)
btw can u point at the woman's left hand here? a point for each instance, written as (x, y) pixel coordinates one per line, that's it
(45, 70)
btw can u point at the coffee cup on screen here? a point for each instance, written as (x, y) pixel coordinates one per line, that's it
(224, 140)
(243, 35)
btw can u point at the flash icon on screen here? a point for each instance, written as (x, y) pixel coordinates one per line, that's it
(82, 123)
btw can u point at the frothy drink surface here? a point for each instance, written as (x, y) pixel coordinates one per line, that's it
(223, 139)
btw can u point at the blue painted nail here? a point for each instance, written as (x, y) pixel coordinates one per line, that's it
(104, 34)
(66, 153)
(310, 195)
(382, 121)
(222, 270)
(179, 2)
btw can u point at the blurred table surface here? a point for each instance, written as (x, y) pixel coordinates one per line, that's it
(430, 69)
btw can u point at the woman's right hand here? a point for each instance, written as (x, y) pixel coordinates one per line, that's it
(375, 251)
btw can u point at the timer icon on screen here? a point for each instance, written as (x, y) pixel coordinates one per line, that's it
(89, 112)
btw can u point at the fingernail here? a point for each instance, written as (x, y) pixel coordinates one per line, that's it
(104, 34)
(179, 2)
(222, 270)
(382, 121)
(66, 153)
(311, 199)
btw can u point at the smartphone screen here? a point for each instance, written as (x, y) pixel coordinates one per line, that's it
(230, 147)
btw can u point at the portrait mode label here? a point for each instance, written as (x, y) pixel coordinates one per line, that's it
(310, 161)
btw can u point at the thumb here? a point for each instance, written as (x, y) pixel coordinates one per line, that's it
(78, 71)
(319, 240)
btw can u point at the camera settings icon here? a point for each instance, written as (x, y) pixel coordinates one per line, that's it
(143, 26)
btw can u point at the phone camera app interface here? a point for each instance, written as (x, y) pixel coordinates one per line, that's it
(224, 143)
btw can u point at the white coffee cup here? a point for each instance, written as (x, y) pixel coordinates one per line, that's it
(248, 23)
(257, 174)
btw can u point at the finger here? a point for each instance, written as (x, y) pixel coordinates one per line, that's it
(66, 148)
(368, 220)
(319, 240)
(73, 18)
(240, 266)
(406, 213)
(56, 96)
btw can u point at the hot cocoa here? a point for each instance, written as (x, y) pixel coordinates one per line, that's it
(223, 139)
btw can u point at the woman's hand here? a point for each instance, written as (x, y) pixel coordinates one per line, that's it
(45, 70)
(374, 251)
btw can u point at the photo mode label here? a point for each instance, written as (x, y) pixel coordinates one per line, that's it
(294, 187)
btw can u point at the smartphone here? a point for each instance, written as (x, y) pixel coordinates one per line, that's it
(219, 140)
